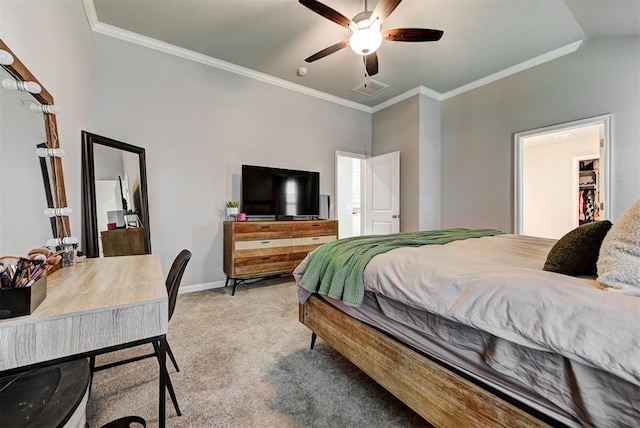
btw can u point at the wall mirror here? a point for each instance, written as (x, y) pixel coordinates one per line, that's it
(23, 197)
(114, 181)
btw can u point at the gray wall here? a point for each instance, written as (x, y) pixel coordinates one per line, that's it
(430, 161)
(198, 125)
(412, 127)
(397, 128)
(602, 76)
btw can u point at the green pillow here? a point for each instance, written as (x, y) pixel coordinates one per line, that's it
(576, 253)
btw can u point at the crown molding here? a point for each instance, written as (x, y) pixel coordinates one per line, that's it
(129, 36)
(420, 90)
(111, 31)
(533, 62)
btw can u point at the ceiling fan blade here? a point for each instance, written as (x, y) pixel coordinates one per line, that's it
(412, 35)
(328, 13)
(371, 64)
(328, 51)
(384, 9)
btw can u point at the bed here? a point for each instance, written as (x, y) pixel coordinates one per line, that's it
(471, 331)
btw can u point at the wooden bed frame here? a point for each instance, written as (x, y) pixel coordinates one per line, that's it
(442, 397)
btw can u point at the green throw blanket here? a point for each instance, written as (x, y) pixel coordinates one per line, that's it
(336, 269)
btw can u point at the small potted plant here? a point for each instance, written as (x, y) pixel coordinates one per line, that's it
(131, 218)
(233, 207)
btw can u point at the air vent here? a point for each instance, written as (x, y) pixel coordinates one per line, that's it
(369, 87)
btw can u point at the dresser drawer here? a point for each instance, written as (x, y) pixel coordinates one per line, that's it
(304, 229)
(262, 243)
(258, 266)
(313, 240)
(259, 226)
(253, 261)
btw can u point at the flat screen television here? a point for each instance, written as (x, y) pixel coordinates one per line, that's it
(281, 194)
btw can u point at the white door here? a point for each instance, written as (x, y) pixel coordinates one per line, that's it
(381, 190)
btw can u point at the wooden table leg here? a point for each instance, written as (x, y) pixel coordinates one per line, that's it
(162, 361)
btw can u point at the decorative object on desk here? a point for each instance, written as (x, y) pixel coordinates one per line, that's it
(23, 286)
(66, 247)
(241, 217)
(80, 257)
(43, 253)
(131, 218)
(233, 207)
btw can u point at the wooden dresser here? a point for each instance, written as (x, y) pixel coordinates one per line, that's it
(263, 248)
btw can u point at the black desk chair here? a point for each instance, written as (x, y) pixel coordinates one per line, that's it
(173, 284)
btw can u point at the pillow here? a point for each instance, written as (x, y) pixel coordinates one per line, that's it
(576, 253)
(619, 261)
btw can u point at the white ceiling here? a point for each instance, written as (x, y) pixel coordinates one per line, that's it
(272, 37)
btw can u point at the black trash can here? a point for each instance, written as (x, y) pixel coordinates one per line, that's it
(52, 396)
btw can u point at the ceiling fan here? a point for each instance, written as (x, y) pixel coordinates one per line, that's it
(367, 33)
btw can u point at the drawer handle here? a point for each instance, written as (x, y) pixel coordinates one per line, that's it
(315, 239)
(265, 242)
(264, 227)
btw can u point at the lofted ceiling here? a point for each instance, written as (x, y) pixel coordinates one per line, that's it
(483, 39)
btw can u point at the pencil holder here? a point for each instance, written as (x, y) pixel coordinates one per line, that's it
(15, 302)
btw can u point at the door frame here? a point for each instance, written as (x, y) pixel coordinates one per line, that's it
(605, 160)
(339, 154)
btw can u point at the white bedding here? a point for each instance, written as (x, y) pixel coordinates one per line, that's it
(497, 284)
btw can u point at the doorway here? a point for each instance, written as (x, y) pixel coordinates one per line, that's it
(561, 176)
(367, 194)
(348, 204)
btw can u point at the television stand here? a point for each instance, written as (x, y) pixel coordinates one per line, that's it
(265, 248)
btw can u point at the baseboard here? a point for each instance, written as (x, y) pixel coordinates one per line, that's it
(200, 287)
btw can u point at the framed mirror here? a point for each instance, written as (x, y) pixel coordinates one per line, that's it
(23, 224)
(114, 182)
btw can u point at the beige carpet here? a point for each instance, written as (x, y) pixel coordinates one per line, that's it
(245, 362)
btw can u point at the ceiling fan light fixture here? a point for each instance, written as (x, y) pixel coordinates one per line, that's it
(365, 41)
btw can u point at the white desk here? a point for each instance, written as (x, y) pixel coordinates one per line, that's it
(102, 304)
